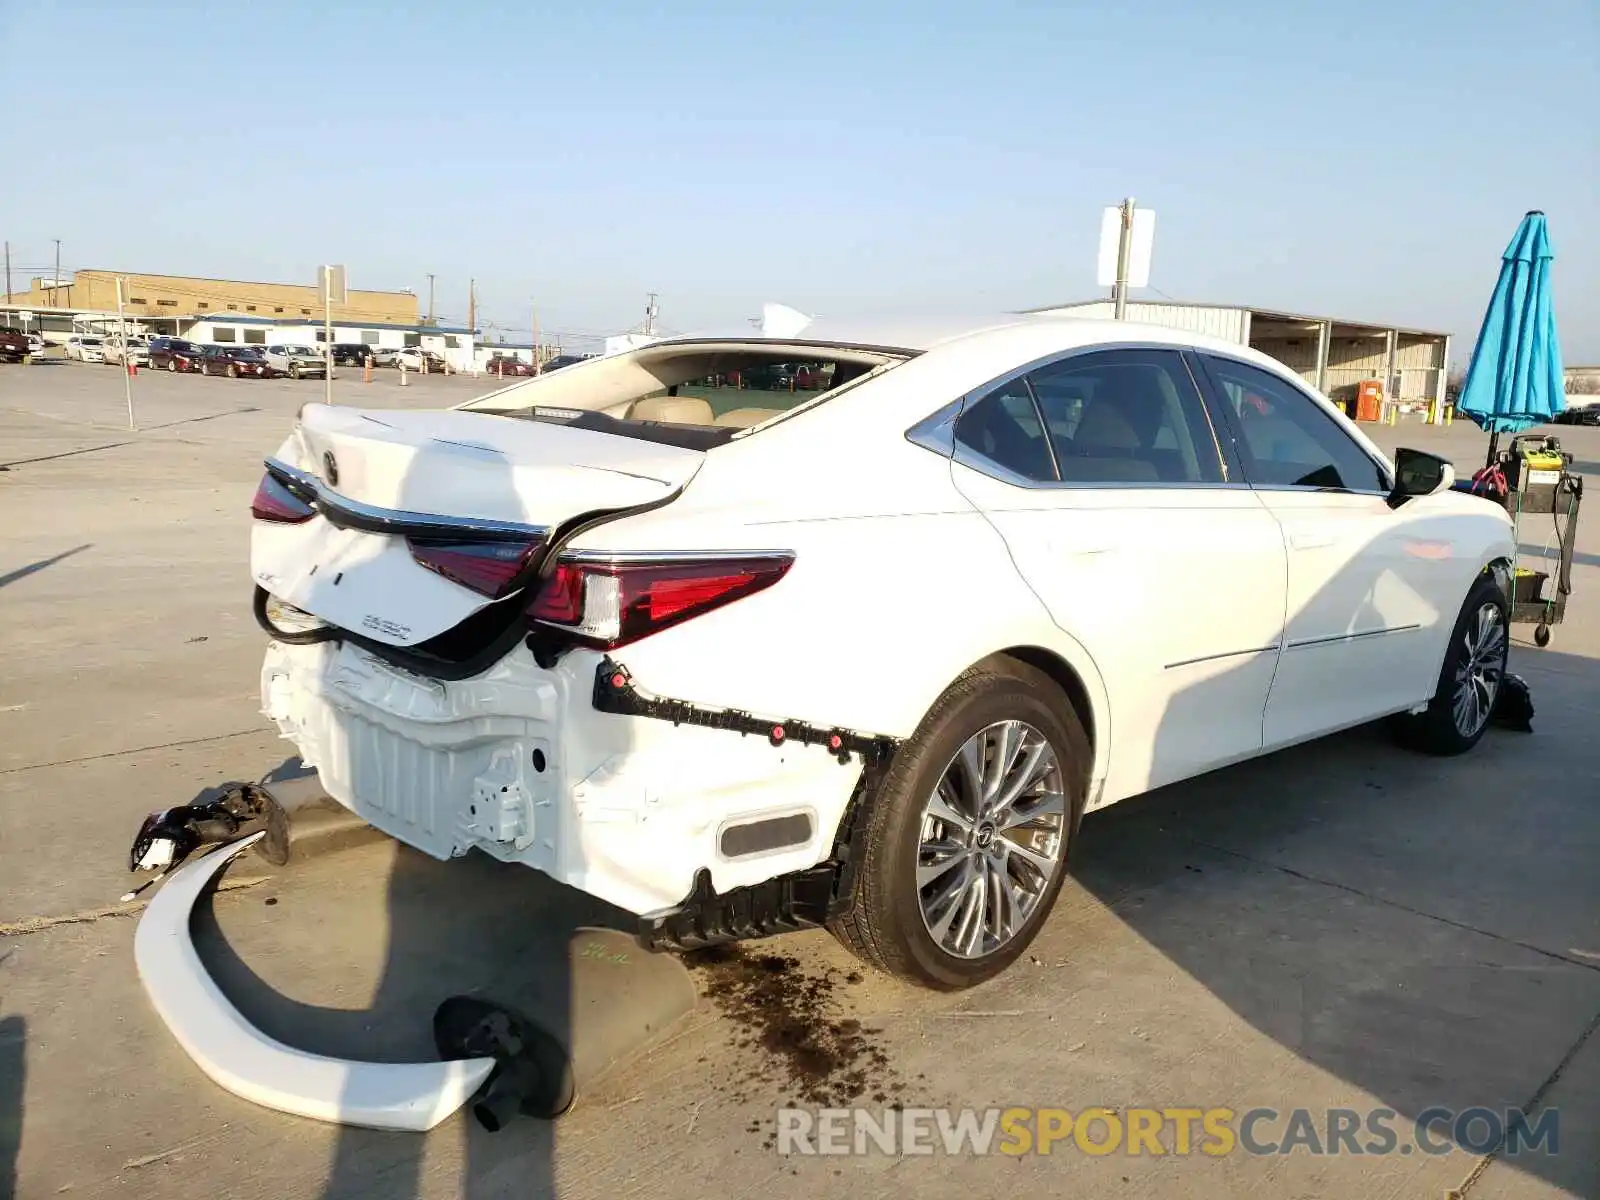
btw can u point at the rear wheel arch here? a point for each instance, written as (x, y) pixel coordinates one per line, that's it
(1066, 677)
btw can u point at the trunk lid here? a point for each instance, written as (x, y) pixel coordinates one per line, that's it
(387, 475)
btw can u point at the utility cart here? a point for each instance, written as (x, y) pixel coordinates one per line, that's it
(1542, 495)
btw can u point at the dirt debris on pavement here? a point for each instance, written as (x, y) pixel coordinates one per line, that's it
(788, 1017)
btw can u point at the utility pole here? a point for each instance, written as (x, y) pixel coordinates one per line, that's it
(472, 307)
(55, 280)
(1119, 297)
(650, 311)
(538, 350)
(430, 299)
(8, 272)
(327, 335)
(127, 358)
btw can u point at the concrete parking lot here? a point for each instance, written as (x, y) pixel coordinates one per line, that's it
(1341, 926)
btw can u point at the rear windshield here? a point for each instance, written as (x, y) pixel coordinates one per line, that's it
(689, 396)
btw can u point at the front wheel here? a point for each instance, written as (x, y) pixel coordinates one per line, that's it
(1469, 682)
(963, 846)
(294, 370)
(233, 371)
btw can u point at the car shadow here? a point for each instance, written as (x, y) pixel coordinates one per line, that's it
(469, 926)
(13, 1079)
(1415, 927)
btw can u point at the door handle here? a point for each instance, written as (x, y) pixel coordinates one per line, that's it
(1310, 541)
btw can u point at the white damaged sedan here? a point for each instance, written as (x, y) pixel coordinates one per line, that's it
(740, 656)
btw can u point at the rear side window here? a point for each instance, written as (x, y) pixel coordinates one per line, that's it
(1004, 427)
(1286, 438)
(1127, 416)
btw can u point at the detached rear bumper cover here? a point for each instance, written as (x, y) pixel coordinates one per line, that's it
(248, 1063)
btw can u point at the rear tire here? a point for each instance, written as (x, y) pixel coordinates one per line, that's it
(1469, 682)
(949, 888)
(172, 365)
(233, 371)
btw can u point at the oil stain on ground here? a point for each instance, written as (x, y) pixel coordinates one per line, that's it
(788, 1018)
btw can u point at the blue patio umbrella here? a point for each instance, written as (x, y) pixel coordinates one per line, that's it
(1515, 379)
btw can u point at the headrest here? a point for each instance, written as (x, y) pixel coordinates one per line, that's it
(680, 410)
(744, 418)
(1104, 427)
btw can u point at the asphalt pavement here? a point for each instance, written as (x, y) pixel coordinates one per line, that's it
(1343, 926)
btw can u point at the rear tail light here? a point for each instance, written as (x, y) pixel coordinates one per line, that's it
(485, 567)
(607, 605)
(275, 502)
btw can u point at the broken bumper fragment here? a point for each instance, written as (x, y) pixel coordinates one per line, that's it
(251, 1065)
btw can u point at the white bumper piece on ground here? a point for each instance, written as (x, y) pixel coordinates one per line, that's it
(248, 1063)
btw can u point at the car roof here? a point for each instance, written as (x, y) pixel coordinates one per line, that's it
(919, 334)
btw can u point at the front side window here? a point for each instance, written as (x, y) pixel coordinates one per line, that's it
(1286, 438)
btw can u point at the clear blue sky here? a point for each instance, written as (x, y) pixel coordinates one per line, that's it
(1361, 158)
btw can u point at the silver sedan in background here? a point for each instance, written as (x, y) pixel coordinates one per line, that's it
(296, 361)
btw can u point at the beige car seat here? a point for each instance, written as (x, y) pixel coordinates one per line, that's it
(678, 410)
(744, 418)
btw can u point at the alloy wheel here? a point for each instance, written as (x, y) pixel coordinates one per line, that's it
(992, 837)
(1480, 671)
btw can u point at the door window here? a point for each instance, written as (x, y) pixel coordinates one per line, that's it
(1128, 417)
(1005, 429)
(1285, 436)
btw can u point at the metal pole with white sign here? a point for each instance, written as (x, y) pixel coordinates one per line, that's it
(334, 291)
(127, 355)
(1127, 236)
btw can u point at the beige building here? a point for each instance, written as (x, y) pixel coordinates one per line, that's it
(183, 295)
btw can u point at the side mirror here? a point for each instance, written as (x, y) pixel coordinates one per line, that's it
(1418, 473)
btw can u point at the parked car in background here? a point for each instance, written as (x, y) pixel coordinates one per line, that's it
(351, 354)
(236, 362)
(116, 352)
(561, 360)
(296, 361)
(37, 346)
(799, 377)
(383, 356)
(13, 345)
(1587, 415)
(175, 354)
(1093, 569)
(413, 358)
(85, 347)
(506, 365)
